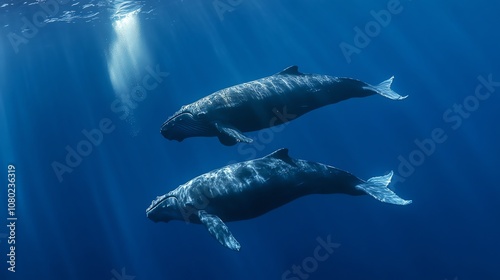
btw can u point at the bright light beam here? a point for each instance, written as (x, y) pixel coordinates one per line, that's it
(127, 57)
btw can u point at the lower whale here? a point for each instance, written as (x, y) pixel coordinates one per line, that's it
(265, 103)
(249, 189)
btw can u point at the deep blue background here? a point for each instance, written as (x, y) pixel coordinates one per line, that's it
(93, 222)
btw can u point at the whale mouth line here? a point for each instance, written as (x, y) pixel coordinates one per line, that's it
(155, 203)
(172, 118)
(185, 124)
(174, 126)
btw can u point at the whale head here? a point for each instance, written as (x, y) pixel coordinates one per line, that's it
(185, 124)
(163, 209)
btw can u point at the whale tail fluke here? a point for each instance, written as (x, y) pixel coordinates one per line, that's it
(384, 89)
(377, 187)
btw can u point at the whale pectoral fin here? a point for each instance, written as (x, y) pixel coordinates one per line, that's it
(230, 136)
(377, 187)
(219, 230)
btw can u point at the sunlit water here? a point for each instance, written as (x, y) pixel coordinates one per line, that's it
(85, 86)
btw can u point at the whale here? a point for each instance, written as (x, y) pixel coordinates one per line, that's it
(264, 103)
(249, 189)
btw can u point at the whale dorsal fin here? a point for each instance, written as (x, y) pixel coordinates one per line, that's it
(292, 70)
(281, 154)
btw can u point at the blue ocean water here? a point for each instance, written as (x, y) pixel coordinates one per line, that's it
(115, 70)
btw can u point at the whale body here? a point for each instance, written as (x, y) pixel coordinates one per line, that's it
(264, 103)
(249, 189)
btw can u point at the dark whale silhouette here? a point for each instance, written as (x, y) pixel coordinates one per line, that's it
(264, 103)
(249, 189)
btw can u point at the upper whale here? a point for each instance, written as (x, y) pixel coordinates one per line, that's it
(264, 103)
